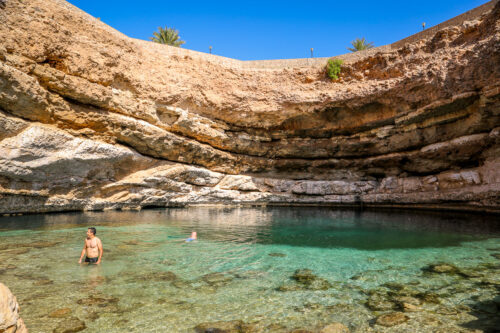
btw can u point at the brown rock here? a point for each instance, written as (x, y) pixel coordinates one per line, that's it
(276, 254)
(335, 328)
(442, 269)
(217, 279)
(408, 304)
(391, 319)
(235, 326)
(70, 325)
(43, 282)
(60, 313)
(101, 301)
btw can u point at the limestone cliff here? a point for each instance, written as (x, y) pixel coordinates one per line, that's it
(92, 119)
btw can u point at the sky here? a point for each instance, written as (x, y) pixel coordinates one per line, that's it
(258, 30)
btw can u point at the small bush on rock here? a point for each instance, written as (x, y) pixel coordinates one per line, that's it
(333, 68)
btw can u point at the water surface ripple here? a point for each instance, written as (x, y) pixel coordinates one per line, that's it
(439, 271)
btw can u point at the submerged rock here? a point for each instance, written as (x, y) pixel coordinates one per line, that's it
(309, 307)
(92, 315)
(441, 269)
(378, 302)
(304, 276)
(182, 284)
(428, 297)
(165, 276)
(154, 276)
(495, 255)
(70, 325)
(276, 328)
(276, 254)
(183, 305)
(318, 284)
(394, 286)
(235, 326)
(305, 280)
(101, 301)
(407, 303)
(335, 328)
(470, 273)
(310, 281)
(391, 319)
(43, 282)
(60, 313)
(217, 279)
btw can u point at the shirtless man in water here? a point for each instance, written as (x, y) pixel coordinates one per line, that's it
(92, 248)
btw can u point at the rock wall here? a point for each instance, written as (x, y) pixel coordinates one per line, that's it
(10, 321)
(91, 119)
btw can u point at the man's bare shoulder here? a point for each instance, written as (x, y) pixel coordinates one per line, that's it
(98, 240)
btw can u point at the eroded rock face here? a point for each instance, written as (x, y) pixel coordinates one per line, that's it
(80, 128)
(9, 312)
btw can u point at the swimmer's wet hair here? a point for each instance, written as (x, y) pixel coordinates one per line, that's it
(92, 230)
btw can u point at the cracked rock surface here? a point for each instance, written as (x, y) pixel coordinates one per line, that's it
(91, 119)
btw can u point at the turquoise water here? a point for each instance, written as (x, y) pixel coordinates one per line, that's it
(150, 280)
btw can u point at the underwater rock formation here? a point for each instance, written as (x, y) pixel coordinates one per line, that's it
(91, 119)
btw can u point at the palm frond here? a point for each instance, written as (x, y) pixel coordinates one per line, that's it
(168, 36)
(360, 44)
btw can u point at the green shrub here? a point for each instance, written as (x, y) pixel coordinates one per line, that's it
(333, 68)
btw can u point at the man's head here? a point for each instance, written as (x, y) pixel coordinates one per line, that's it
(91, 232)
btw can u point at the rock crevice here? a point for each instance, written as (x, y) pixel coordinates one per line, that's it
(91, 119)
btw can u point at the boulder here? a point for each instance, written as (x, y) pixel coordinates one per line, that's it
(9, 312)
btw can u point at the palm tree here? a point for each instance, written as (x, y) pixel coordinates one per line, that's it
(360, 44)
(168, 36)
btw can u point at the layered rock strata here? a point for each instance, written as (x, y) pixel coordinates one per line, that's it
(10, 321)
(92, 119)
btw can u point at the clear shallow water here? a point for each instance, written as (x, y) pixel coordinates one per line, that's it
(241, 268)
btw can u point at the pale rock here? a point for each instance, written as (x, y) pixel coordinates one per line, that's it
(9, 312)
(240, 183)
(335, 328)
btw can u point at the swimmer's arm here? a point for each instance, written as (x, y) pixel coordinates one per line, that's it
(83, 251)
(99, 246)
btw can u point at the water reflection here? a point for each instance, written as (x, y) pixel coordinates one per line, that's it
(293, 226)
